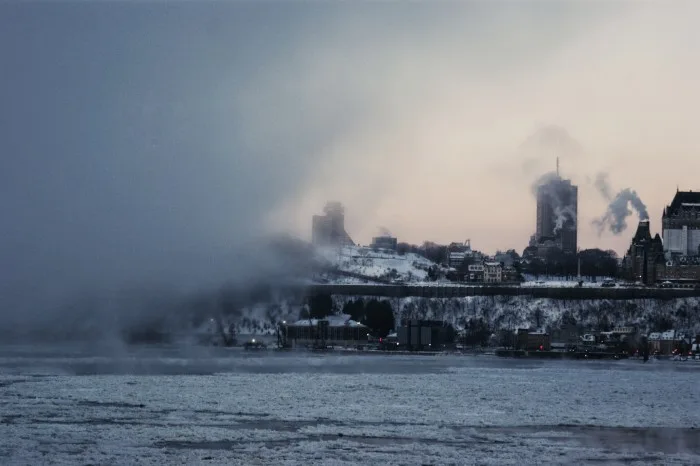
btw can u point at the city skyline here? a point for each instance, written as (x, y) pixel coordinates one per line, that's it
(434, 158)
(158, 146)
(623, 238)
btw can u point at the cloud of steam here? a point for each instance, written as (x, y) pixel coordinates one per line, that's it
(602, 184)
(552, 140)
(547, 144)
(620, 206)
(135, 168)
(563, 213)
(154, 148)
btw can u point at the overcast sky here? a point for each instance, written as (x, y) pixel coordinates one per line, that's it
(148, 140)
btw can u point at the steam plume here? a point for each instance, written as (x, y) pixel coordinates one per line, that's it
(620, 206)
(550, 140)
(602, 184)
(383, 231)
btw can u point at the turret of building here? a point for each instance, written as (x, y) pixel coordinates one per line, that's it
(329, 229)
(644, 261)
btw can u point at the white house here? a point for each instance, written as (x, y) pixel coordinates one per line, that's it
(493, 272)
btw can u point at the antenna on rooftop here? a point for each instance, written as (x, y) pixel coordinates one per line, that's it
(557, 166)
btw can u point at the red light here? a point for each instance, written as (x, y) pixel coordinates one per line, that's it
(541, 347)
(380, 340)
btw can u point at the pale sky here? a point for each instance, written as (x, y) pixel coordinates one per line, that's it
(156, 140)
(439, 101)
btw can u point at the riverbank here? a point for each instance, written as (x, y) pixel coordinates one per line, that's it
(504, 353)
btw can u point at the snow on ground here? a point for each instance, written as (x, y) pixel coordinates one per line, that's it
(380, 263)
(558, 282)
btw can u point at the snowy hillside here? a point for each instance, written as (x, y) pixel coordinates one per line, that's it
(499, 312)
(379, 264)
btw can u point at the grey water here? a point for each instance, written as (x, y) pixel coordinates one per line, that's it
(193, 405)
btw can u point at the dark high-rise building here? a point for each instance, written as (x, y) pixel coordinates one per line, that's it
(557, 214)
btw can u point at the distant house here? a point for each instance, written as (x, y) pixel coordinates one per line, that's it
(666, 342)
(493, 272)
(475, 273)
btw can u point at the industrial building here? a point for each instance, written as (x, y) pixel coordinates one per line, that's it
(457, 253)
(384, 242)
(337, 330)
(329, 229)
(557, 215)
(533, 340)
(424, 335)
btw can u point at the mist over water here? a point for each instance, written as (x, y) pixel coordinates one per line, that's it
(131, 175)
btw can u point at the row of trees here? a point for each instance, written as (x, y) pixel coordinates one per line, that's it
(432, 251)
(375, 314)
(594, 263)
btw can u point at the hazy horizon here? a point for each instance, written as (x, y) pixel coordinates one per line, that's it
(451, 106)
(156, 141)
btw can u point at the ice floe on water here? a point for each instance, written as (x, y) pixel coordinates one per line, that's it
(302, 409)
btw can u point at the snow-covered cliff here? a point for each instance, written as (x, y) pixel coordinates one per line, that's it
(502, 312)
(510, 312)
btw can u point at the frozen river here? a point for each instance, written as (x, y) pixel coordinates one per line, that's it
(217, 406)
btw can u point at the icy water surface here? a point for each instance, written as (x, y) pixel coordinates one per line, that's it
(217, 406)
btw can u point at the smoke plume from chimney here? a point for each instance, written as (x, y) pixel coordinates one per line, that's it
(620, 206)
